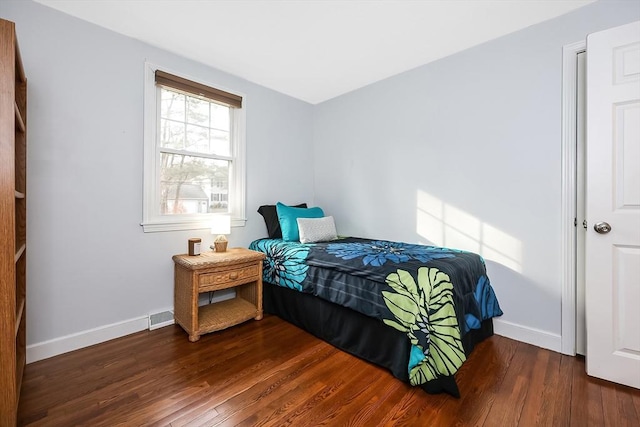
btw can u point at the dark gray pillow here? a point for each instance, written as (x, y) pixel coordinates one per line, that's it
(270, 216)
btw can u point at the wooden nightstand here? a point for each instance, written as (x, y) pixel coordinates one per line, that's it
(237, 268)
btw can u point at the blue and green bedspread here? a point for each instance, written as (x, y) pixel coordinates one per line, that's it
(434, 295)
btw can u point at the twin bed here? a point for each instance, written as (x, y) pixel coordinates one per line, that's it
(416, 310)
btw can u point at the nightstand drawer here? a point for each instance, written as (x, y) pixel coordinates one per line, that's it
(222, 278)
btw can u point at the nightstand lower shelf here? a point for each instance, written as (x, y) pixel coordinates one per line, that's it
(223, 314)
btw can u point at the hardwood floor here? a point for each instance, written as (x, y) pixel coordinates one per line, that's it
(270, 373)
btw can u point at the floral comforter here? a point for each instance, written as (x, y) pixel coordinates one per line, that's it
(434, 295)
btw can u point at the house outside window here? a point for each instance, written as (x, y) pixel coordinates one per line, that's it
(194, 153)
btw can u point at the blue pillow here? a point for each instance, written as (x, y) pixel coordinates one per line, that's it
(288, 217)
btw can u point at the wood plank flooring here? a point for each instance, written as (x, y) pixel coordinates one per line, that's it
(270, 373)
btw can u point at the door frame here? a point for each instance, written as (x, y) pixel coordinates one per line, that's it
(569, 195)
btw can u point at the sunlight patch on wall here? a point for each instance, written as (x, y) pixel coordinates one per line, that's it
(430, 218)
(445, 225)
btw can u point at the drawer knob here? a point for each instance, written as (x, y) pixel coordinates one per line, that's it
(233, 275)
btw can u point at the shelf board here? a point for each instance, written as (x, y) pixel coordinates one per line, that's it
(19, 315)
(223, 314)
(20, 251)
(19, 120)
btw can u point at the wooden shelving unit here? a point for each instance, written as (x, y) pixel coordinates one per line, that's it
(13, 222)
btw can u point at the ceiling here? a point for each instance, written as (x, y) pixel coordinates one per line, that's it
(315, 50)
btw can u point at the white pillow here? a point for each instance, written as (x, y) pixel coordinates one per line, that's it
(317, 229)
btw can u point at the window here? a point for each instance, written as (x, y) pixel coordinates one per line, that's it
(194, 153)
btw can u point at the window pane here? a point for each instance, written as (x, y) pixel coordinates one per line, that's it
(172, 134)
(194, 124)
(197, 139)
(197, 111)
(172, 105)
(190, 185)
(220, 116)
(220, 143)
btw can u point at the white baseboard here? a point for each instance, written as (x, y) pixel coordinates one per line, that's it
(54, 347)
(532, 336)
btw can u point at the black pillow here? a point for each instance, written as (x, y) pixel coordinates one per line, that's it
(270, 216)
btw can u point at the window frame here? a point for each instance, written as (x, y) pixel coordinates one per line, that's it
(152, 220)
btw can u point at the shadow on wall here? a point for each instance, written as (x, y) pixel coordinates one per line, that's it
(445, 225)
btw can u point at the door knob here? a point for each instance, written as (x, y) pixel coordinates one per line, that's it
(602, 227)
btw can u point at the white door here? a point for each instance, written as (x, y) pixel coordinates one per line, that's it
(613, 199)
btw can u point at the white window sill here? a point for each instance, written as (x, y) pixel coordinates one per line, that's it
(157, 226)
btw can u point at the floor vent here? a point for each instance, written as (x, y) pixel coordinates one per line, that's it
(159, 320)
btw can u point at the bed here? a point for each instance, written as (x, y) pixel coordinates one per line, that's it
(415, 310)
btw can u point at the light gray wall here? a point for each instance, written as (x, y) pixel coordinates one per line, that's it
(89, 262)
(465, 152)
